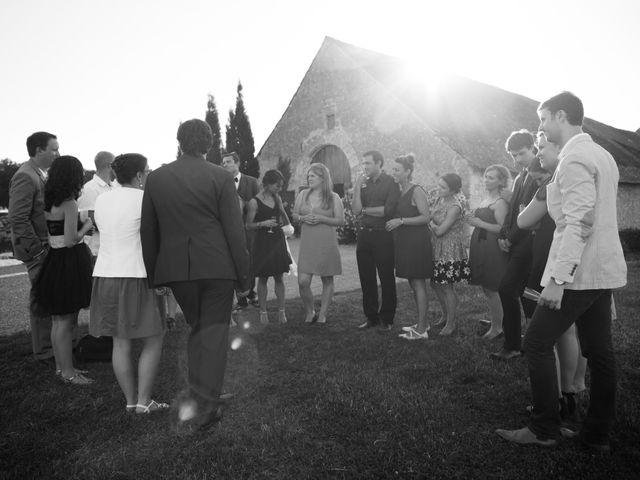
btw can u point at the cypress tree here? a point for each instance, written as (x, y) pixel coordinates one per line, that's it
(231, 136)
(244, 137)
(211, 117)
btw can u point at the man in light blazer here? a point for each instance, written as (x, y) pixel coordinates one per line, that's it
(585, 263)
(247, 188)
(29, 234)
(193, 241)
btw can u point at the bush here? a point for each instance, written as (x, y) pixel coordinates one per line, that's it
(5, 234)
(348, 232)
(630, 240)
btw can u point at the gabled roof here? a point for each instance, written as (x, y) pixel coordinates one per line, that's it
(473, 118)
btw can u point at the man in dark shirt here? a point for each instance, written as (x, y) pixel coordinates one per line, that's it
(518, 243)
(375, 196)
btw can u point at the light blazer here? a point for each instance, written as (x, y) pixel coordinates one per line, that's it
(191, 226)
(581, 198)
(29, 234)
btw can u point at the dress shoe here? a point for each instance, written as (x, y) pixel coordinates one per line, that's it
(384, 328)
(590, 446)
(505, 355)
(199, 422)
(524, 436)
(367, 324)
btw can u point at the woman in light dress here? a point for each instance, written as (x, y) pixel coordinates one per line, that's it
(319, 211)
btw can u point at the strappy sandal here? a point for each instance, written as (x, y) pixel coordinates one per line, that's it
(151, 408)
(282, 317)
(414, 335)
(131, 408)
(414, 327)
(264, 318)
(77, 379)
(76, 370)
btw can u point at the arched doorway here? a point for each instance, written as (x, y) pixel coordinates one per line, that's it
(336, 161)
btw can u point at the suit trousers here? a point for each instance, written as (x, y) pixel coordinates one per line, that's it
(511, 288)
(375, 253)
(591, 312)
(206, 305)
(40, 326)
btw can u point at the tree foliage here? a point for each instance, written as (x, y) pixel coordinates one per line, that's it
(239, 137)
(7, 170)
(211, 117)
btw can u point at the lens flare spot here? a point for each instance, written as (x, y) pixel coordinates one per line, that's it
(246, 325)
(236, 343)
(187, 411)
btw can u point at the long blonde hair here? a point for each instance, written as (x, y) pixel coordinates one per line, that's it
(326, 191)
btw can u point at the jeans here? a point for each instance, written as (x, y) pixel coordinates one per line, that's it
(374, 252)
(512, 285)
(591, 312)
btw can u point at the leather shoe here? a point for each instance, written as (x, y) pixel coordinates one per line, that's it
(600, 448)
(367, 324)
(505, 354)
(384, 328)
(524, 436)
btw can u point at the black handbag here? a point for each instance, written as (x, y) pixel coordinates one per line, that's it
(94, 349)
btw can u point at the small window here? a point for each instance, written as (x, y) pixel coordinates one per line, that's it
(331, 122)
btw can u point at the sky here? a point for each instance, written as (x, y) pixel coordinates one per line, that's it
(120, 75)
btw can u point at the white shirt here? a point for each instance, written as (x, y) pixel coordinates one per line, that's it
(117, 215)
(87, 201)
(237, 180)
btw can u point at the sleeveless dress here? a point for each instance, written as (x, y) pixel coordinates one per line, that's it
(269, 255)
(450, 262)
(543, 236)
(63, 285)
(319, 253)
(412, 243)
(486, 260)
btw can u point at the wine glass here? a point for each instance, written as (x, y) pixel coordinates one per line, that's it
(274, 217)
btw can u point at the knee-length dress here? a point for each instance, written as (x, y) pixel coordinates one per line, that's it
(63, 285)
(269, 255)
(486, 261)
(412, 243)
(450, 261)
(319, 253)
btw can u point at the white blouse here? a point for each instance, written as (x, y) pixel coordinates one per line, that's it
(117, 216)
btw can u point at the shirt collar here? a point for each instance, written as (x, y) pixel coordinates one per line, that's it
(238, 176)
(100, 181)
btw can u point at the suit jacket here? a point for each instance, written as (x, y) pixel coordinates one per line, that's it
(29, 234)
(191, 226)
(524, 188)
(247, 188)
(581, 199)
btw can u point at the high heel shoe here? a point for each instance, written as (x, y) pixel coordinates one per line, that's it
(282, 318)
(264, 318)
(415, 335)
(311, 318)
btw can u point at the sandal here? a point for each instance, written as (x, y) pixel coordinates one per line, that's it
(152, 407)
(264, 318)
(415, 335)
(322, 320)
(131, 408)
(282, 318)
(77, 379)
(414, 327)
(77, 370)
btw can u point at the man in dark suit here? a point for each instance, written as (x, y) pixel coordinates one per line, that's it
(247, 188)
(519, 244)
(193, 241)
(29, 234)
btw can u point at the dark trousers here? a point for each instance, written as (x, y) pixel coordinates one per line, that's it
(244, 301)
(40, 326)
(206, 305)
(374, 253)
(591, 312)
(511, 288)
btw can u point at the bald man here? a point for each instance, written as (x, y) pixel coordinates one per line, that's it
(102, 181)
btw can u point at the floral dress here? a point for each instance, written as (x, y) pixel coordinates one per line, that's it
(450, 259)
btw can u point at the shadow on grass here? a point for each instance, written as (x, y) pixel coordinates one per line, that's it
(313, 401)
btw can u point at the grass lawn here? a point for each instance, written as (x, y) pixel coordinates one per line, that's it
(313, 402)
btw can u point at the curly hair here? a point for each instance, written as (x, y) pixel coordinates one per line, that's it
(195, 137)
(127, 165)
(502, 173)
(66, 177)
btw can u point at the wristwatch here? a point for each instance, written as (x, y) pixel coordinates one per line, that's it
(558, 282)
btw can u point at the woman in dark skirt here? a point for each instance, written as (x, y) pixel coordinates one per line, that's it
(269, 256)
(63, 285)
(412, 242)
(122, 304)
